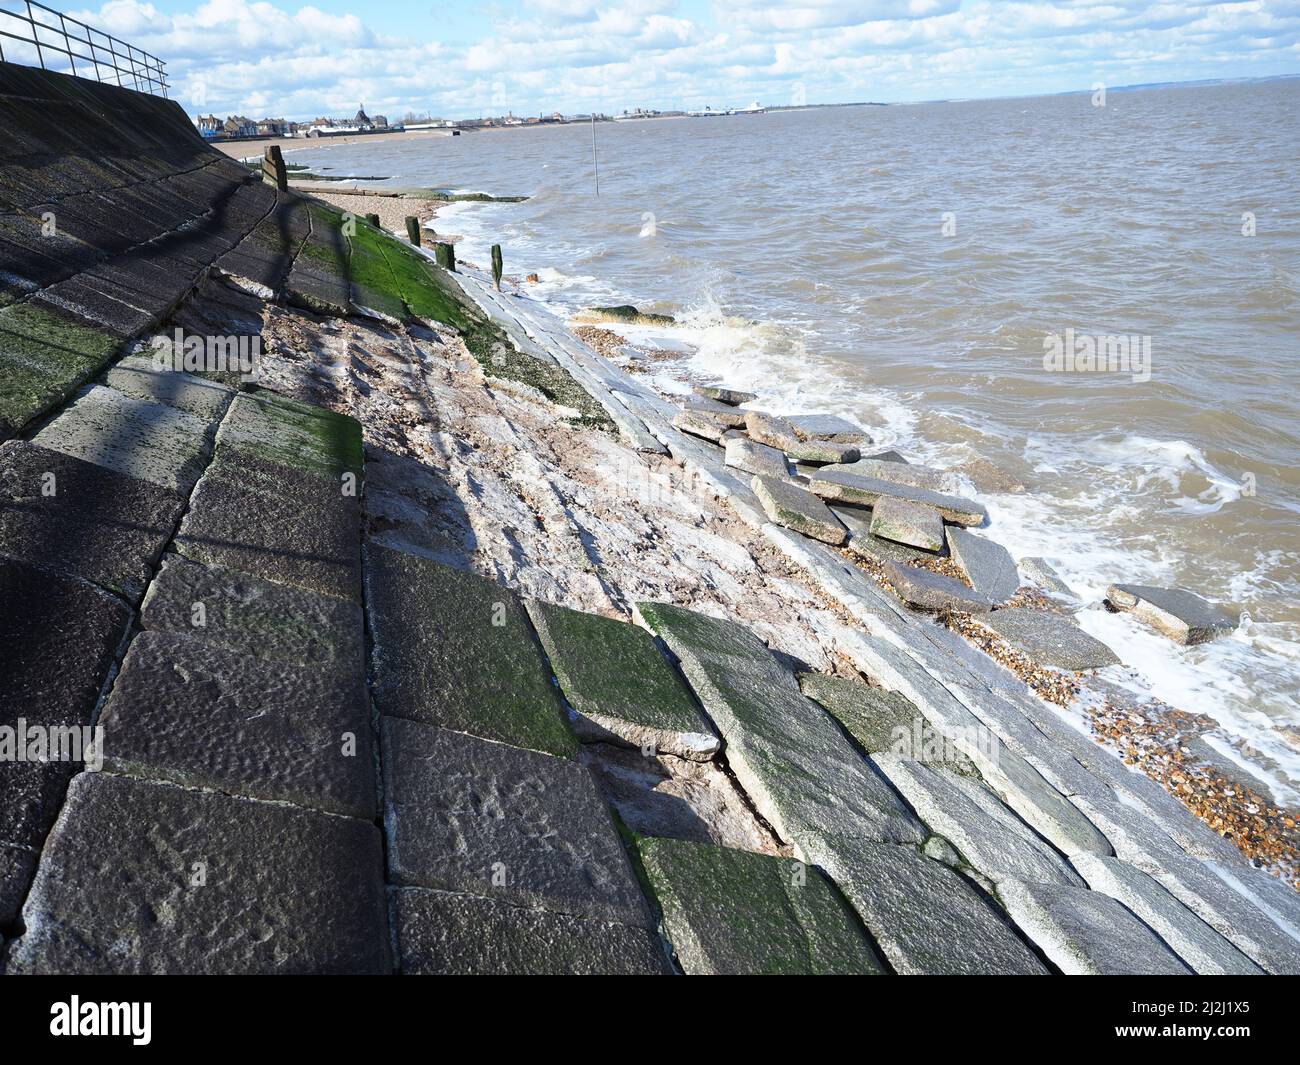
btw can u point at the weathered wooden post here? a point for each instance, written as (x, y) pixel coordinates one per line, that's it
(273, 168)
(413, 229)
(373, 219)
(445, 255)
(496, 265)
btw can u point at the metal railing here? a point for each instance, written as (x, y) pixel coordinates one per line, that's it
(48, 34)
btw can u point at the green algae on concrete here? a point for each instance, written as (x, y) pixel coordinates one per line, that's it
(627, 315)
(283, 431)
(455, 649)
(43, 358)
(732, 912)
(615, 677)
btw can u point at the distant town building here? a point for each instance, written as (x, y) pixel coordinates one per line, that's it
(209, 126)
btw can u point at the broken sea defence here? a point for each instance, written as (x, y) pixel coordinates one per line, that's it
(531, 665)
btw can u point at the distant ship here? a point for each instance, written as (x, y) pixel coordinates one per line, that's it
(754, 108)
(708, 112)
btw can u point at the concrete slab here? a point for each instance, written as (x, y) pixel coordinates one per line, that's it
(1049, 639)
(1087, 933)
(753, 457)
(864, 491)
(281, 431)
(928, 590)
(863, 543)
(249, 615)
(139, 877)
(191, 711)
(701, 425)
(789, 505)
(1042, 574)
(801, 772)
(445, 933)
(1195, 942)
(275, 522)
(827, 427)
(455, 649)
(895, 471)
(722, 414)
(137, 438)
(731, 396)
(624, 691)
(736, 913)
(987, 564)
(83, 519)
(138, 377)
(992, 841)
(1181, 615)
(465, 814)
(779, 433)
(906, 522)
(879, 720)
(928, 919)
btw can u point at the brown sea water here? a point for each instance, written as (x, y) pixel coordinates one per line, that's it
(904, 265)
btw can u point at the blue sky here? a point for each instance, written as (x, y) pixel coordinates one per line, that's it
(459, 59)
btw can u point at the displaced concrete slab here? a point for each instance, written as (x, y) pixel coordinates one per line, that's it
(137, 438)
(140, 378)
(455, 649)
(993, 842)
(465, 814)
(863, 543)
(827, 427)
(736, 913)
(59, 637)
(1049, 639)
(802, 774)
(864, 491)
(733, 397)
(614, 676)
(779, 433)
(896, 471)
(722, 414)
(789, 505)
(447, 933)
(928, 590)
(287, 433)
(140, 877)
(1181, 615)
(1254, 911)
(753, 457)
(1195, 942)
(275, 522)
(249, 615)
(1087, 933)
(987, 564)
(906, 522)
(928, 919)
(193, 712)
(1042, 574)
(83, 519)
(701, 425)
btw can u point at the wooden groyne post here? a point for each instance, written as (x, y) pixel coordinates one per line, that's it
(496, 265)
(445, 255)
(413, 229)
(273, 168)
(373, 219)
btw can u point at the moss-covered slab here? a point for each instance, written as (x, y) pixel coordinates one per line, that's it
(1087, 933)
(140, 377)
(906, 522)
(865, 544)
(138, 438)
(276, 522)
(779, 433)
(731, 912)
(142, 877)
(620, 685)
(455, 649)
(802, 773)
(927, 919)
(883, 721)
(789, 505)
(753, 457)
(44, 357)
(283, 431)
(249, 615)
(83, 519)
(452, 934)
(994, 844)
(188, 709)
(465, 814)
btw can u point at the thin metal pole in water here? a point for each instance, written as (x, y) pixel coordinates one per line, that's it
(594, 161)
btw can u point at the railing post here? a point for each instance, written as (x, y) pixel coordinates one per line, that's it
(36, 37)
(63, 28)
